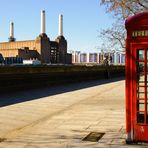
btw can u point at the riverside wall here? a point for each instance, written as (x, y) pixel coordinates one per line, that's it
(26, 77)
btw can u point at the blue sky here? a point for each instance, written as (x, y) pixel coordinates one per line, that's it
(83, 20)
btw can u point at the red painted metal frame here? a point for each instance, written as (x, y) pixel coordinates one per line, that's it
(137, 22)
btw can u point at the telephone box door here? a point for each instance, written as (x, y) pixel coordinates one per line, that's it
(140, 93)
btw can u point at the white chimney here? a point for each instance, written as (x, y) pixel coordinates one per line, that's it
(43, 22)
(11, 33)
(60, 25)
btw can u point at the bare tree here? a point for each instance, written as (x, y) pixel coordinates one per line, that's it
(120, 9)
(124, 8)
(114, 36)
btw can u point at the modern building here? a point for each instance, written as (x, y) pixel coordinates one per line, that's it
(41, 48)
(116, 57)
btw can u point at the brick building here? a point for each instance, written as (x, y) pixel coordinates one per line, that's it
(41, 48)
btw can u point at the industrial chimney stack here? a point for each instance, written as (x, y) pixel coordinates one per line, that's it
(60, 25)
(11, 33)
(43, 28)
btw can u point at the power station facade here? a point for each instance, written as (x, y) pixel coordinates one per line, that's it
(41, 48)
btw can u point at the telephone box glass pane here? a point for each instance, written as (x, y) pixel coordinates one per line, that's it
(140, 117)
(141, 79)
(140, 54)
(140, 92)
(140, 67)
(140, 105)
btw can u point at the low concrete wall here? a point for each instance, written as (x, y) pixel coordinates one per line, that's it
(18, 77)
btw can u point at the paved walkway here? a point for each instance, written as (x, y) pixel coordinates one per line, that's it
(60, 117)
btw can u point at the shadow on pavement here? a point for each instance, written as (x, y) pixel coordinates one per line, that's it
(10, 98)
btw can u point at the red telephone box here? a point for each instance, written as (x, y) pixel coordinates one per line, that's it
(137, 77)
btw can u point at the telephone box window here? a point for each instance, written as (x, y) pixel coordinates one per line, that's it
(140, 80)
(141, 85)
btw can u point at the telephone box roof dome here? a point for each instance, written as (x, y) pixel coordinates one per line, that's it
(140, 19)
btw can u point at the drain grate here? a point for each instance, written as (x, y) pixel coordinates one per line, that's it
(93, 137)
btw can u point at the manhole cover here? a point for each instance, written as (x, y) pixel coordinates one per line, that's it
(93, 137)
(2, 139)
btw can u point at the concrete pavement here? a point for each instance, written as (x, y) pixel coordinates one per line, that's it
(60, 117)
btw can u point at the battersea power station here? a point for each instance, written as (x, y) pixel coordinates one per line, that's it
(41, 49)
